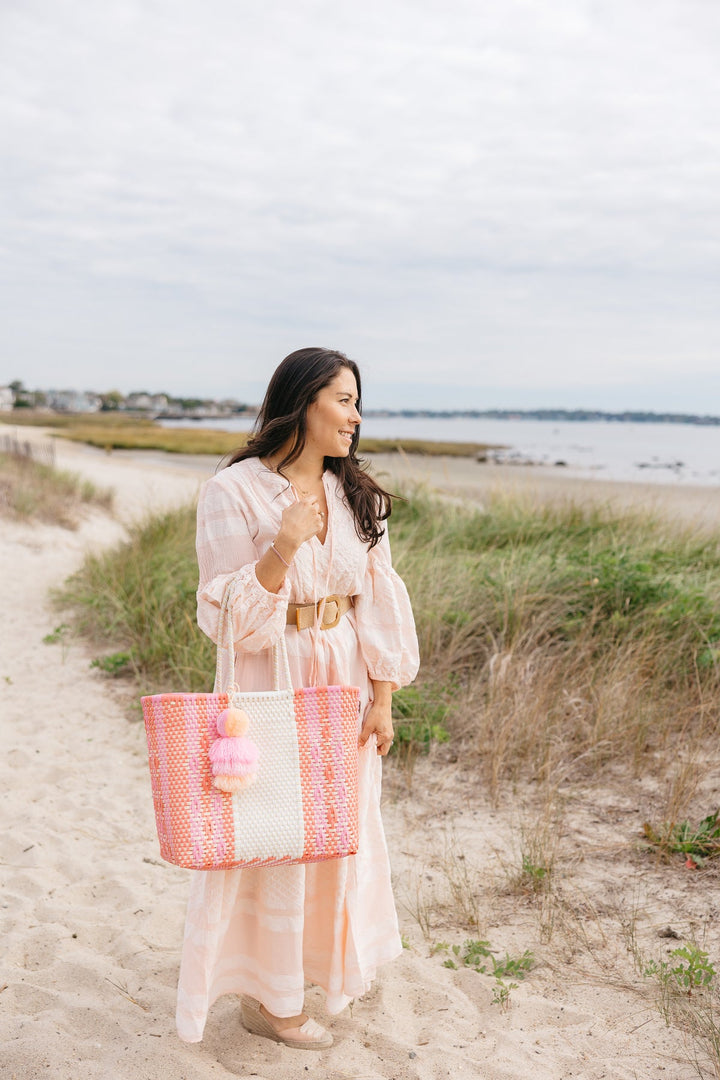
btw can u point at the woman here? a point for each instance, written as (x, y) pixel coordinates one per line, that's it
(301, 521)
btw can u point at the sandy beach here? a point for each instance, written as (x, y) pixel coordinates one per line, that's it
(92, 918)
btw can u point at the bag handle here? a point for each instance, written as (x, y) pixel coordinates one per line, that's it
(225, 661)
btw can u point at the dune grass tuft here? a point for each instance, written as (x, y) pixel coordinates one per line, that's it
(32, 490)
(141, 596)
(568, 637)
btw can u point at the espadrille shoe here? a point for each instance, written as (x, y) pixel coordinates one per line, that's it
(310, 1036)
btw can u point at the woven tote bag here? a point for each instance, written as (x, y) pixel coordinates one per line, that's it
(303, 803)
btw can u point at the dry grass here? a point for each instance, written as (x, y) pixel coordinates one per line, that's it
(424, 447)
(445, 890)
(32, 490)
(463, 886)
(140, 598)
(145, 435)
(567, 639)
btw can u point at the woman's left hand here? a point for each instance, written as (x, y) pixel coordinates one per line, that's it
(378, 722)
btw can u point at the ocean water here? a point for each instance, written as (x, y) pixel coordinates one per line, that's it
(611, 450)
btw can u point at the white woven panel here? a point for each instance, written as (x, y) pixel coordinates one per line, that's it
(269, 815)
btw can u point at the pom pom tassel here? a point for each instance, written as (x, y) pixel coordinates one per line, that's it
(233, 722)
(233, 757)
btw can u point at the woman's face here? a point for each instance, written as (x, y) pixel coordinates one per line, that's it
(332, 418)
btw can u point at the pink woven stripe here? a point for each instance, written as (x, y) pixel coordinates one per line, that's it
(337, 752)
(317, 770)
(221, 804)
(220, 824)
(304, 762)
(349, 704)
(194, 780)
(351, 723)
(153, 723)
(163, 776)
(222, 853)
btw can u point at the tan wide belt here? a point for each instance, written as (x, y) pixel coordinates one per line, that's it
(303, 615)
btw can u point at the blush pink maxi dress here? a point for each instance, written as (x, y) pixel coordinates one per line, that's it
(265, 931)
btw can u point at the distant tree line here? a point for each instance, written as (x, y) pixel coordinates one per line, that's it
(627, 416)
(163, 404)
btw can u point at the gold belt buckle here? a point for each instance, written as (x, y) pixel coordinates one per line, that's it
(329, 623)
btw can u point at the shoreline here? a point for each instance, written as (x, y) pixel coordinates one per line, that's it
(463, 479)
(693, 504)
(428, 456)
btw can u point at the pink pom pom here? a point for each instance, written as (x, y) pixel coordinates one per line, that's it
(233, 757)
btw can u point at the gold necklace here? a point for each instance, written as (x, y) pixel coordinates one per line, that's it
(297, 488)
(295, 484)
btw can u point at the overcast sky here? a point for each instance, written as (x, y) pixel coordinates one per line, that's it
(483, 202)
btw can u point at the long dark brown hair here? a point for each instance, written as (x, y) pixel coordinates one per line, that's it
(295, 384)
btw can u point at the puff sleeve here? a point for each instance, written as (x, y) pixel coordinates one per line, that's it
(225, 545)
(384, 619)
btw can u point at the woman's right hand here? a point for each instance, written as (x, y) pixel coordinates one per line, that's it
(300, 522)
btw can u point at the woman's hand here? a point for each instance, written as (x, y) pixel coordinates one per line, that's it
(300, 522)
(378, 719)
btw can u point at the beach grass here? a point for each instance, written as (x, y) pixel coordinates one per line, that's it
(425, 448)
(568, 637)
(145, 435)
(33, 490)
(555, 641)
(119, 431)
(138, 599)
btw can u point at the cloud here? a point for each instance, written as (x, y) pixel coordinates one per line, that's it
(445, 190)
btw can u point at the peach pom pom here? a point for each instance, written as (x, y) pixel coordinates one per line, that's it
(233, 783)
(233, 722)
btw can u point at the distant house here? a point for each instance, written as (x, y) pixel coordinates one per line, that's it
(7, 399)
(142, 402)
(232, 405)
(199, 410)
(210, 408)
(76, 401)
